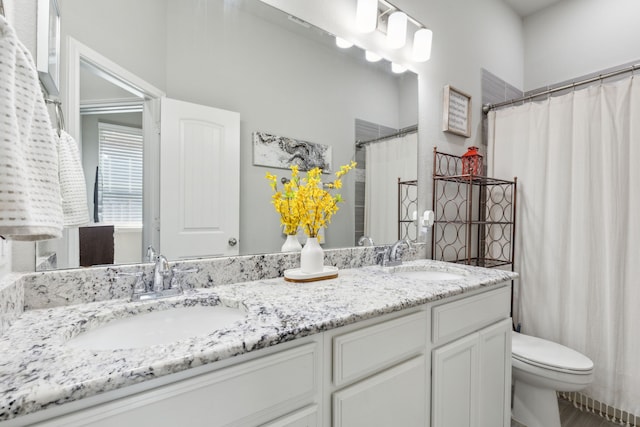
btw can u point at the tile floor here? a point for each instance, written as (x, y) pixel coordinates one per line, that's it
(574, 417)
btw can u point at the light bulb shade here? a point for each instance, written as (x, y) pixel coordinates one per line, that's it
(422, 45)
(398, 68)
(367, 15)
(342, 43)
(372, 56)
(397, 30)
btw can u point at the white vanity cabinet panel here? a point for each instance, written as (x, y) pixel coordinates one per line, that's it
(458, 318)
(306, 417)
(455, 391)
(471, 375)
(247, 394)
(364, 351)
(495, 375)
(395, 397)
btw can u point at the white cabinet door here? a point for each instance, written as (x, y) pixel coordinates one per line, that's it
(455, 383)
(199, 180)
(495, 375)
(395, 397)
(472, 379)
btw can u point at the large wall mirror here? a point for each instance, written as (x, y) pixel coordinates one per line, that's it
(283, 77)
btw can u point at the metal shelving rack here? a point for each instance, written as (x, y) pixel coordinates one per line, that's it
(407, 204)
(475, 216)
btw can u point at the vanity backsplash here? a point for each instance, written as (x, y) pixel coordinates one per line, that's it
(19, 292)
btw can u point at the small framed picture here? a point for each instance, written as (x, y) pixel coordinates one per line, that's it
(456, 112)
(48, 45)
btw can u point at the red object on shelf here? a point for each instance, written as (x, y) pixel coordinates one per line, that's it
(472, 162)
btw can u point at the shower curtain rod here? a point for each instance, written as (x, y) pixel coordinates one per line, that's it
(629, 69)
(401, 132)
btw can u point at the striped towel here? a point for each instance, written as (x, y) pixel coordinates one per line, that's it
(30, 203)
(73, 187)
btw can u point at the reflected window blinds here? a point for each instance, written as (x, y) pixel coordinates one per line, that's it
(120, 177)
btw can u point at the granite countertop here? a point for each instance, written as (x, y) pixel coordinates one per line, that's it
(39, 371)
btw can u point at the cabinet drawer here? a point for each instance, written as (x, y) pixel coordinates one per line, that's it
(305, 417)
(247, 394)
(458, 318)
(365, 351)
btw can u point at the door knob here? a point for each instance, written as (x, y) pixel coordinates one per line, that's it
(233, 241)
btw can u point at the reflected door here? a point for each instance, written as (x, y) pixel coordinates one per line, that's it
(199, 180)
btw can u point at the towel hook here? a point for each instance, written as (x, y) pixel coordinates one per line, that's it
(59, 115)
(59, 118)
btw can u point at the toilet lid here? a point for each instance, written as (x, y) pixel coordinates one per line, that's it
(547, 353)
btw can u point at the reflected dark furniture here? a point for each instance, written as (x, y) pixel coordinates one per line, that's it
(96, 245)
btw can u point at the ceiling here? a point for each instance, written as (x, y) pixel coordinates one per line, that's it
(527, 7)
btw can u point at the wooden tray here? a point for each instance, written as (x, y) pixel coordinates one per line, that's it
(297, 276)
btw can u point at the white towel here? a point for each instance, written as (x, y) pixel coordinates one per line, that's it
(30, 203)
(73, 187)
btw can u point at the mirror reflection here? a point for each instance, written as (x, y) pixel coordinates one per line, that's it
(280, 76)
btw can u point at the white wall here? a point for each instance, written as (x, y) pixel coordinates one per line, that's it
(127, 245)
(116, 29)
(578, 37)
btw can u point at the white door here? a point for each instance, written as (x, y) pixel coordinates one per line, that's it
(199, 180)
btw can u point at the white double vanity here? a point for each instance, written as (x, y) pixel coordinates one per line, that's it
(397, 346)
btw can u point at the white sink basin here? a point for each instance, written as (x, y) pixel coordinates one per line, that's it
(428, 275)
(157, 327)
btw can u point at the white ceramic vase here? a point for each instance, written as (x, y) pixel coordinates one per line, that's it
(312, 257)
(291, 244)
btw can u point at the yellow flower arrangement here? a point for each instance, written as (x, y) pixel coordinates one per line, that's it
(285, 201)
(304, 202)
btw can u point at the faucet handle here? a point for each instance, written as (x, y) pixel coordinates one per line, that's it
(382, 255)
(177, 273)
(151, 254)
(365, 240)
(139, 286)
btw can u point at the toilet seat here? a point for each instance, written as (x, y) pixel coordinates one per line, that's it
(549, 355)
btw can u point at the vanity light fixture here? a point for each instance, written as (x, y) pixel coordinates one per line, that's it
(422, 45)
(367, 15)
(398, 68)
(397, 30)
(372, 56)
(342, 43)
(381, 15)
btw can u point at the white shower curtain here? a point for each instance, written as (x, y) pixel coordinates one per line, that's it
(386, 162)
(577, 159)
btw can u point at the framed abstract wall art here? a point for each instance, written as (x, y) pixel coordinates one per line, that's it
(282, 152)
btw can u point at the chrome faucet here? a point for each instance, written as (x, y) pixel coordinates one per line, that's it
(390, 256)
(393, 255)
(160, 273)
(365, 239)
(165, 282)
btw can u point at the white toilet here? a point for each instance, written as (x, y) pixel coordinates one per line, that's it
(539, 369)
